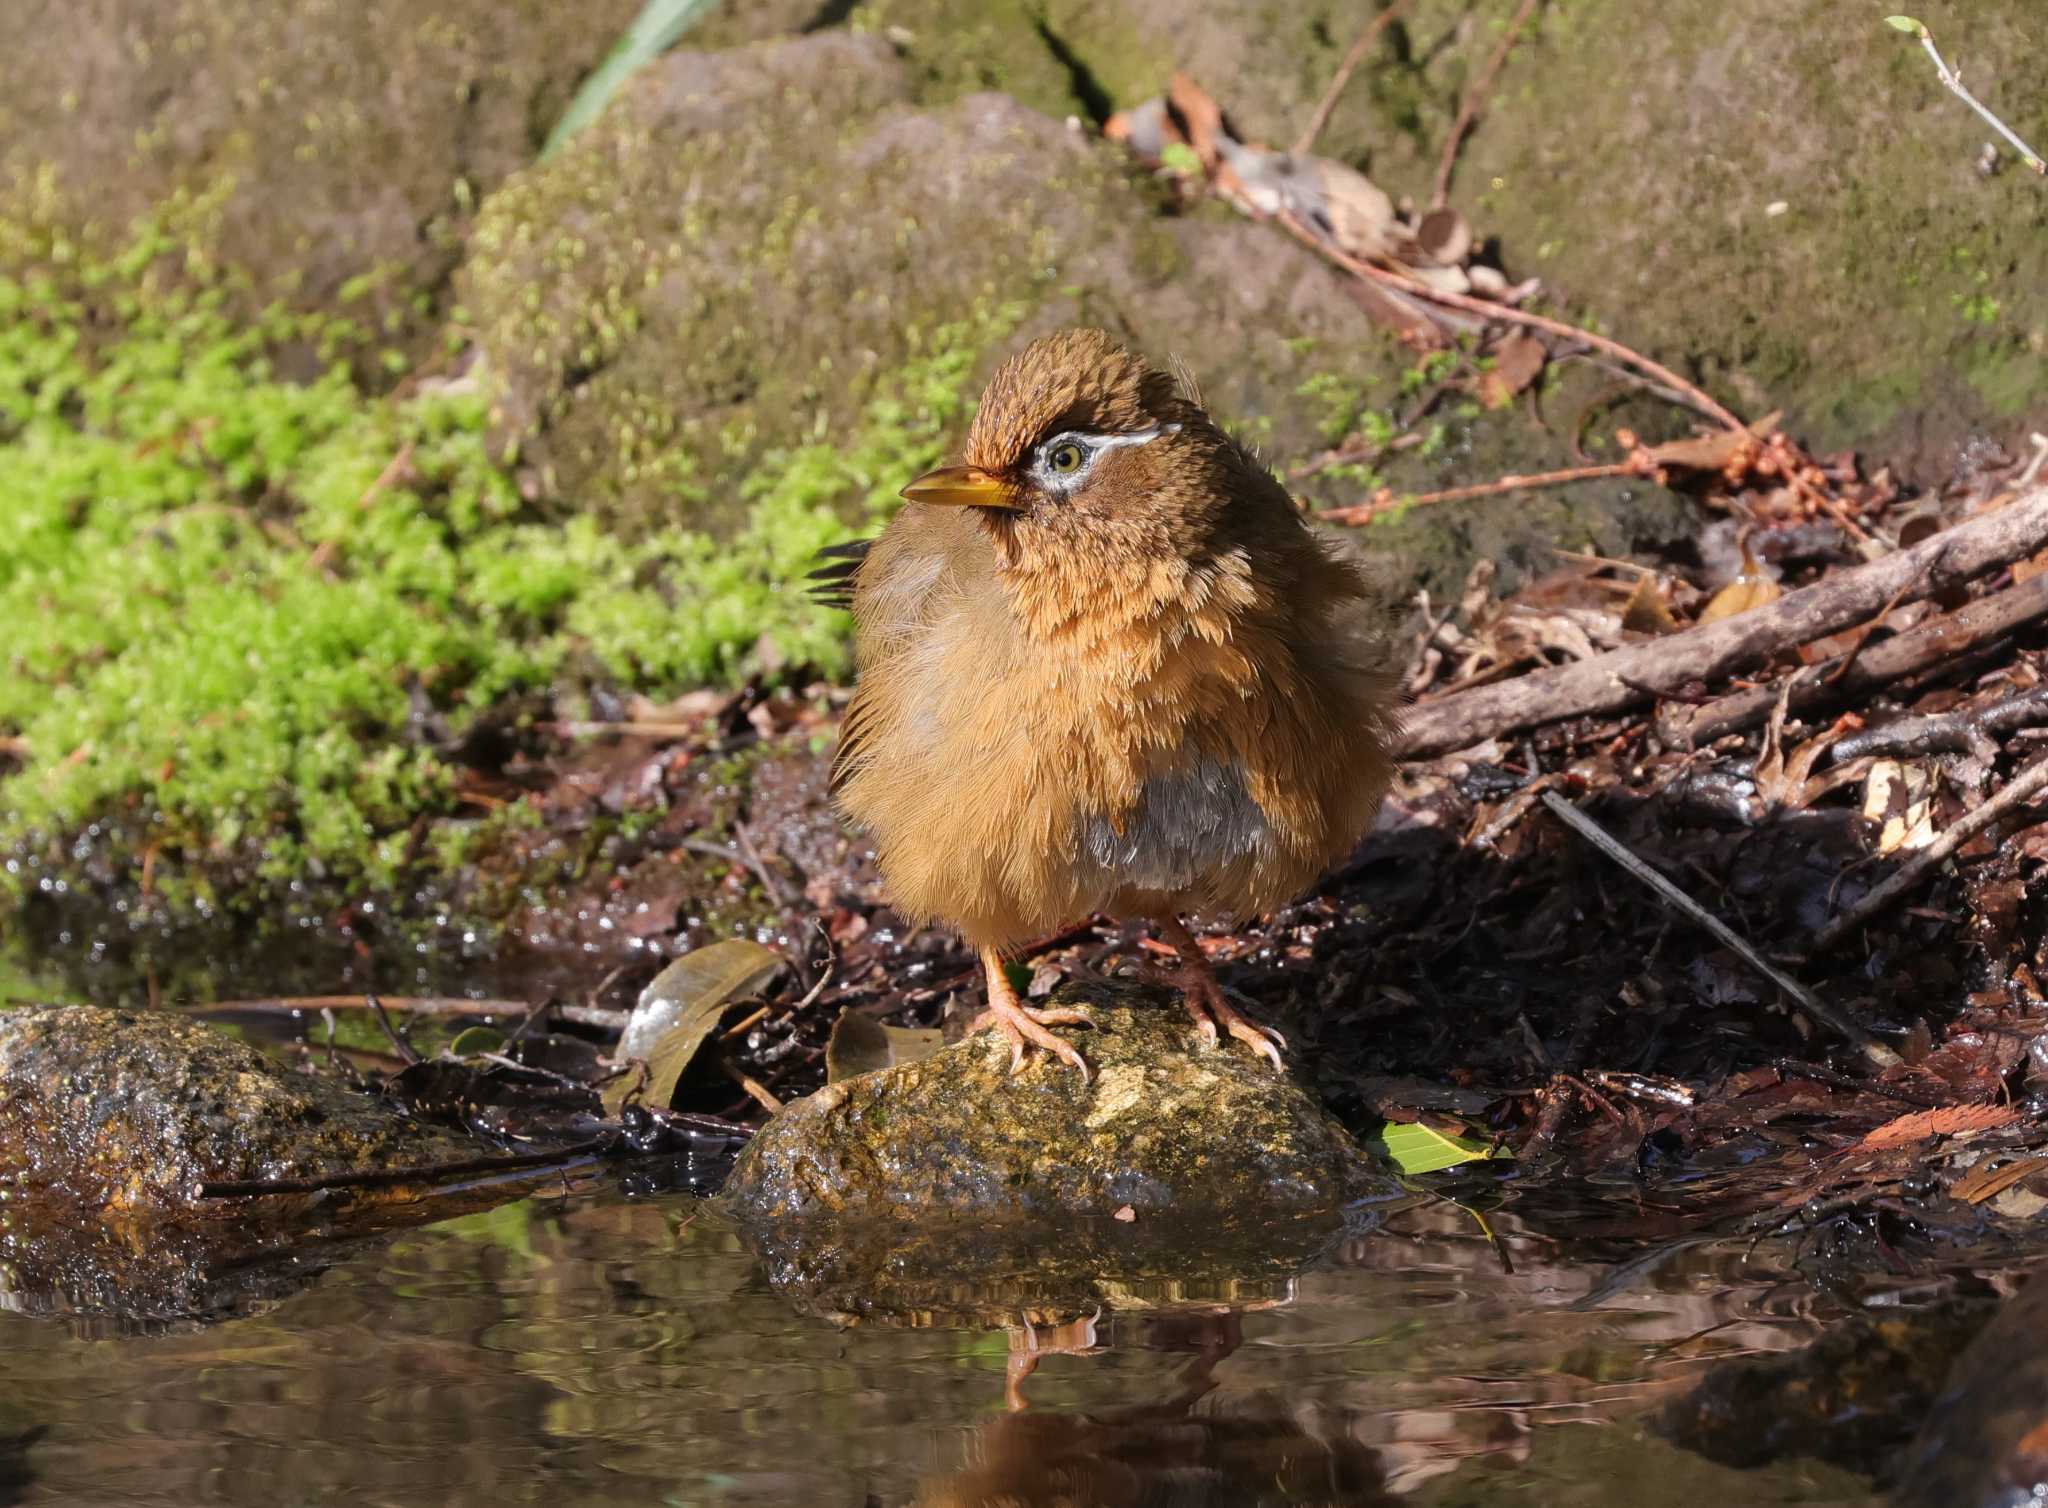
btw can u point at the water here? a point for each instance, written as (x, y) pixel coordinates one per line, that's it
(591, 1349)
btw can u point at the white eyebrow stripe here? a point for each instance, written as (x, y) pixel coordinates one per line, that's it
(1136, 437)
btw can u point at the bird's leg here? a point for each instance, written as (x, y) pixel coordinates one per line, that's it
(1023, 1024)
(1204, 994)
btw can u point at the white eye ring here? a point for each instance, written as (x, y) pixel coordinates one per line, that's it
(1090, 446)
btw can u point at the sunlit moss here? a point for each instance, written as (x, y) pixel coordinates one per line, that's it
(248, 614)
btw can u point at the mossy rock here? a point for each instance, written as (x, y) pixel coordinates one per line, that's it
(1164, 1128)
(751, 245)
(131, 1111)
(1268, 61)
(1782, 201)
(331, 152)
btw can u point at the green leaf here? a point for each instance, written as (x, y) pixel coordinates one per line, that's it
(860, 1044)
(1906, 24)
(1181, 158)
(678, 1012)
(476, 1039)
(1415, 1148)
(655, 30)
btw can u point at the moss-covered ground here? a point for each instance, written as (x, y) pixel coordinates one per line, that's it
(250, 617)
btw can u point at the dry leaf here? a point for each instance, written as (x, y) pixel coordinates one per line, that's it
(859, 1044)
(1983, 1182)
(1946, 1120)
(1518, 363)
(678, 1011)
(1900, 796)
(1750, 589)
(1199, 118)
(1646, 611)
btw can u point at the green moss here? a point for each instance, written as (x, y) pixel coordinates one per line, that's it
(252, 611)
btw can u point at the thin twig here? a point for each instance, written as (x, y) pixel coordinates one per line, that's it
(1694, 396)
(756, 1090)
(405, 1049)
(628, 730)
(1366, 37)
(387, 1177)
(1678, 900)
(410, 1005)
(2021, 789)
(1468, 108)
(1387, 502)
(1955, 86)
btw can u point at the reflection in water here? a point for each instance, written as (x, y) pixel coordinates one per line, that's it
(598, 1350)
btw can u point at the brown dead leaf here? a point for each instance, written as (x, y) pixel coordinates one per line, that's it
(1750, 589)
(1518, 363)
(1983, 1182)
(678, 1011)
(1944, 1120)
(860, 1044)
(1199, 118)
(1899, 795)
(1646, 611)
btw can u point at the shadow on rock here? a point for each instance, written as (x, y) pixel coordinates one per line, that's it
(113, 1124)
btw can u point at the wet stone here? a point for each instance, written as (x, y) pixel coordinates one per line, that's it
(132, 1111)
(1164, 1128)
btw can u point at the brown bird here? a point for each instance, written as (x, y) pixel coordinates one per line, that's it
(1105, 666)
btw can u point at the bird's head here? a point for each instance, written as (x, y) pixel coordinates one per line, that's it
(1084, 457)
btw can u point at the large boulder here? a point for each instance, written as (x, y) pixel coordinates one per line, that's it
(132, 1111)
(752, 248)
(329, 152)
(1782, 200)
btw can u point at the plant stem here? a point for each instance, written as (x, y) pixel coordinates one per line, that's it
(1955, 86)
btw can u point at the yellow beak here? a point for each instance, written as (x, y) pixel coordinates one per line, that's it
(961, 487)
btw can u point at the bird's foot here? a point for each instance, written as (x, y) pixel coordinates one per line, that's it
(1206, 1002)
(1026, 1025)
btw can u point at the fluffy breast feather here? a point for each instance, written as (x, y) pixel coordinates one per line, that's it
(1215, 753)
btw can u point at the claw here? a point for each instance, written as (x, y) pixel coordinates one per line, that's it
(1206, 1002)
(1026, 1025)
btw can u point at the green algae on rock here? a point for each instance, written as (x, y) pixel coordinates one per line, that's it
(343, 147)
(1163, 1128)
(129, 1111)
(748, 248)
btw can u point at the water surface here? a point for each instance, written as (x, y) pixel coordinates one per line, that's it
(596, 1349)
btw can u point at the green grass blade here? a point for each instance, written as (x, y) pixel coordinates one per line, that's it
(655, 30)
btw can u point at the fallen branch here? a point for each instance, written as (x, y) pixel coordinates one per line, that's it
(1366, 37)
(1386, 501)
(2021, 789)
(1947, 732)
(1672, 896)
(1693, 395)
(1468, 108)
(547, 1162)
(1919, 648)
(1625, 677)
(414, 1005)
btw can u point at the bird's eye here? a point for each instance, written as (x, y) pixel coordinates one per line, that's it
(1065, 458)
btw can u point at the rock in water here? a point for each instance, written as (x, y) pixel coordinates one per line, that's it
(132, 1111)
(1164, 1127)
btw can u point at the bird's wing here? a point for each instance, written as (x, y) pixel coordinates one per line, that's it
(838, 569)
